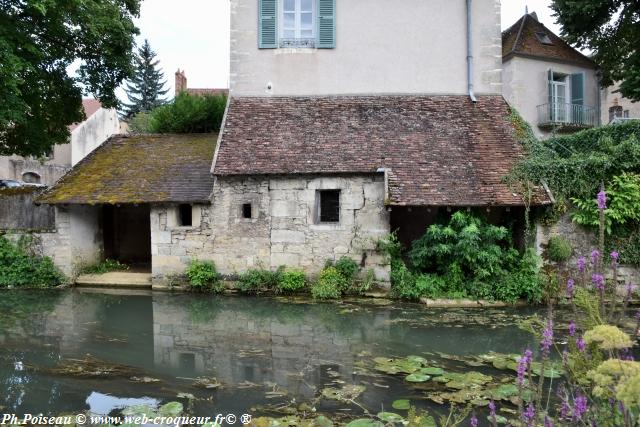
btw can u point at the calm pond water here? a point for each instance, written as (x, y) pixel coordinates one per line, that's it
(266, 353)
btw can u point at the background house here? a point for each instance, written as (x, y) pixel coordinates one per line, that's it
(181, 86)
(100, 123)
(615, 106)
(553, 86)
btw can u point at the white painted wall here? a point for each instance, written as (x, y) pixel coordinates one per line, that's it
(525, 86)
(382, 46)
(93, 132)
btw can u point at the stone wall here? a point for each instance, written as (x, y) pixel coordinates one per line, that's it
(281, 232)
(172, 246)
(283, 229)
(19, 212)
(583, 241)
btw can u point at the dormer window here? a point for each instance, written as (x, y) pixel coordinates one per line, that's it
(544, 38)
(298, 17)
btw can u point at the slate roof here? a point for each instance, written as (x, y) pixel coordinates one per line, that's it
(140, 169)
(438, 150)
(520, 39)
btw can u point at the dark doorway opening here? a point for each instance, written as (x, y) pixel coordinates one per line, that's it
(127, 235)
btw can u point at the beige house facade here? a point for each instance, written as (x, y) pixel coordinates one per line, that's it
(553, 86)
(616, 107)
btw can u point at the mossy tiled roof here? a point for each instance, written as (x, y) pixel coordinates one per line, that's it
(140, 169)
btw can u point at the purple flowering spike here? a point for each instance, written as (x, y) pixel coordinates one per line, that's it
(579, 407)
(572, 328)
(602, 200)
(595, 256)
(492, 409)
(570, 285)
(615, 255)
(580, 344)
(548, 422)
(474, 421)
(598, 281)
(529, 415)
(564, 410)
(523, 365)
(582, 264)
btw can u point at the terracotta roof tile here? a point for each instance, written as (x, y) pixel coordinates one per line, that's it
(521, 39)
(440, 150)
(140, 169)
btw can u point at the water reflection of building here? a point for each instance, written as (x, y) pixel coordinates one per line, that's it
(254, 340)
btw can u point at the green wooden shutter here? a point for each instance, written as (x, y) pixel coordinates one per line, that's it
(577, 88)
(550, 85)
(267, 24)
(326, 24)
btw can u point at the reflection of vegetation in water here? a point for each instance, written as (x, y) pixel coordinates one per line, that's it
(16, 306)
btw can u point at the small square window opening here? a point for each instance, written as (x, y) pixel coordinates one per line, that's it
(185, 215)
(247, 211)
(544, 38)
(328, 206)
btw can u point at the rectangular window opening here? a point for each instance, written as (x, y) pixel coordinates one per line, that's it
(297, 27)
(185, 215)
(247, 211)
(328, 202)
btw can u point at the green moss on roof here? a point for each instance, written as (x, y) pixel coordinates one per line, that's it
(140, 169)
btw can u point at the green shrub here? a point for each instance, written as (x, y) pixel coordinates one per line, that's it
(348, 268)
(626, 240)
(364, 285)
(466, 257)
(204, 277)
(256, 281)
(292, 281)
(186, 114)
(329, 284)
(558, 249)
(105, 267)
(19, 268)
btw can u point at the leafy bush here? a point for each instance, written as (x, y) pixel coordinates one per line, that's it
(292, 281)
(623, 204)
(348, 268)
(558, 249)
(203, 276)
(105, 267)
(466, 257)
(19, 268)
(329, 284)
(186, 114)
(256, 281)
(626, 240)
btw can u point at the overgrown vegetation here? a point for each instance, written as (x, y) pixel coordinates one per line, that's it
(464, 257)
(20, 266)
(558, 249)
(292, 281)
(576, 166)
(185, 114)
(105, 266)
(256, 281)
(330, 284)
(203, 276)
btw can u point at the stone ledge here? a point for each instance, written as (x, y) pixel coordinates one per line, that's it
(467, 303)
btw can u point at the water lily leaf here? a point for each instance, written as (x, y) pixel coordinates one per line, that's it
(499, 419)
(550, 372)
(140, 410)
(417, 359)
(401, 404)
(171, 409)
(365, 422)
(347, 392)
(383, 360)
(504, 391)
(322, 421)
(387, 369)
(432, 371)
(390, 417)
(188, 396)
(417, 378)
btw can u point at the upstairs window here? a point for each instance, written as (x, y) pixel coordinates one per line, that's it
(298, 17)
(328, 206)
(544, 38)
(185, 215)
(247, 211)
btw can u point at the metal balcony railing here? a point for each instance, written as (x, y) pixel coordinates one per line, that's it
(575, 116)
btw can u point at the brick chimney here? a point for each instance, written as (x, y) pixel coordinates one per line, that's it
(615, 110)
(181, 82)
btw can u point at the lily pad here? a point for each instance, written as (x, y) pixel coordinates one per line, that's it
(417, 378)
(432, 371)
(322, 421)
(365, 422)
(504, 391)
(550, 372)
(171, 409)
(402, 404)
(499, 419)
(417, 359)
(139, 410)
(348, 392)
(390, 417)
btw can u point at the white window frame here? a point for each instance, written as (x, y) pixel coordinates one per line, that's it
(298, 22)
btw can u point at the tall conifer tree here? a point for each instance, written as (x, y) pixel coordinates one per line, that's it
(145, 89)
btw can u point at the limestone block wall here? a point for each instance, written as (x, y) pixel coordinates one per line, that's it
(283, 228)
(172, 245)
